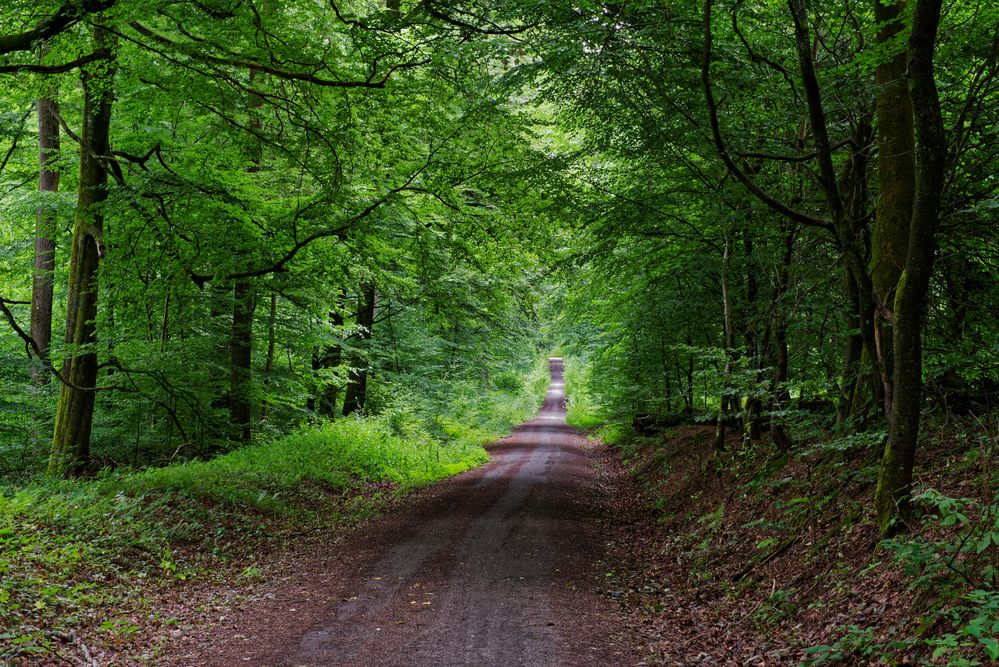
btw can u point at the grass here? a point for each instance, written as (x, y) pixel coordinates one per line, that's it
(71, 552)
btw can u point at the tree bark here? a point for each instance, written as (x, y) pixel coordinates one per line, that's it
(241, 357)
(729, 343)
(357, 387)
(897, 183)
(271, 343)
(892, 497)
(780, 394)
(44, 263)
(75, 408)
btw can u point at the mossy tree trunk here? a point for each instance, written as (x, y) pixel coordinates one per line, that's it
(897, 182)
(892, 498)
(75, 408)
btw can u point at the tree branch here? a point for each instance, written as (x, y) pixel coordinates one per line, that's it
(739, 174)
(100, 54)
(32, 349)
(69, 14)
(370, 82)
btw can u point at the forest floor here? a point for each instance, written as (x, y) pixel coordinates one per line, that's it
(746, 558)
(498, 566)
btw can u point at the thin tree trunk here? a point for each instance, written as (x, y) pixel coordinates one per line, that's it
(754, 345)
(780, 393)
(243, 308)
(331, 359)
(44, 265)
(729, 344)
(357, 387)
(75, 408)
(892, 497)
(241, 357)
(269, 363)
(852, 352)
(845, 195)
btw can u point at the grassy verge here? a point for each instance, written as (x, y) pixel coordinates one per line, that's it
(73, 554)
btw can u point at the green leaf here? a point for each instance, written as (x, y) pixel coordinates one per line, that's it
(991, 645)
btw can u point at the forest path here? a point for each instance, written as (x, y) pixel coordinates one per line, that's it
(494, 567)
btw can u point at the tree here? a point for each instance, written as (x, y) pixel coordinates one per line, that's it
(44, 261)
(895, 475)
(75, 408)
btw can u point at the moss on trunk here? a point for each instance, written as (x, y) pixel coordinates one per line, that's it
(75, 408)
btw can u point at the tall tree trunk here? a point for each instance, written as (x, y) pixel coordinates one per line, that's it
(864, 389)
(243, 307)
(729, 344)
(897, 183)
(75, 408)
(689, 377)
(872, 392)
(853, 349)
(755, 345)
(892, 498)
(844, 195)
(357, 387)
(44, 264)
(780, 394)
(329, 357)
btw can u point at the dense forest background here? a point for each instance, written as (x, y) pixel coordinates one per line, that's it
(241, 236)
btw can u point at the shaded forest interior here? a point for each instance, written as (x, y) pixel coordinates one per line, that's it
(242, 237)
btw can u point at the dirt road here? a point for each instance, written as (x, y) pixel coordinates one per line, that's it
(494, 567)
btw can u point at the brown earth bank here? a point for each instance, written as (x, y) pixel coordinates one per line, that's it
(748, 558)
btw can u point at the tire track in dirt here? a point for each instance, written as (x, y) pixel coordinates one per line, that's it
(495, 567)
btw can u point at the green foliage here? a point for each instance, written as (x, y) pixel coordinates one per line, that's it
(856, 644)
(780, 604)
(962, 571)
(581, 409)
